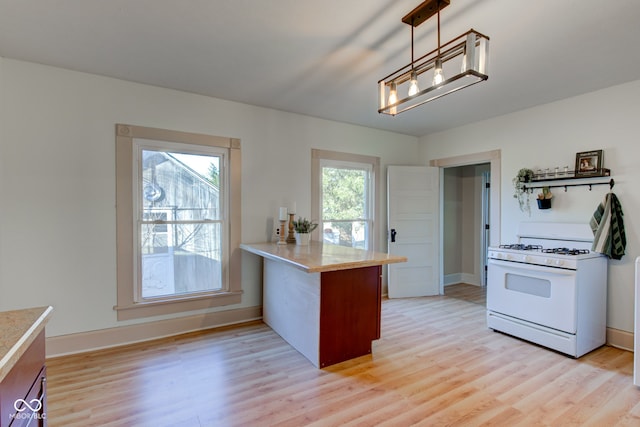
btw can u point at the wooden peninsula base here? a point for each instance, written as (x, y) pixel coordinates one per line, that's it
(324, 300)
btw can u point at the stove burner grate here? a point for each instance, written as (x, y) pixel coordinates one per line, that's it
(566, 251)
(521, 247)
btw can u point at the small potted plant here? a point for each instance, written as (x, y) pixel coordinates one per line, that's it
(544, 198)
(523, 177)
(303, 228)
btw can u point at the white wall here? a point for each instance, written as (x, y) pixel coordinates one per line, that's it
(451, 223)
(57, 186)
(549, 136)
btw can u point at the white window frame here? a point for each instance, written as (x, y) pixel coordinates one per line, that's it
(321, 158)
(139, 145)
(130, 305)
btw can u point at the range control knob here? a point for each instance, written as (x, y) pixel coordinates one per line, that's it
(507, 256)
(559, 262)
(526, 258)
(548, 261)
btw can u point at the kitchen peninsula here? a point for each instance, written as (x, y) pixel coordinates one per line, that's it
(325, 300)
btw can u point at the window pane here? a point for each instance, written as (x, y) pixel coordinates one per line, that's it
(344, 193)
(188, 183)
(179, 253)
(180, 258)
(343, 197)
(346, 233)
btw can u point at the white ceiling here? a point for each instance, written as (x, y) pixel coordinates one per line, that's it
(324, 58)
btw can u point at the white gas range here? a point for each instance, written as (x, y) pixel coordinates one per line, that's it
(549, 288)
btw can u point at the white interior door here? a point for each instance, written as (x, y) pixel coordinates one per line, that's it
(413, 195)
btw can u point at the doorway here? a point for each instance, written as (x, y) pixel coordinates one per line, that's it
(470, 212)
(465, 222)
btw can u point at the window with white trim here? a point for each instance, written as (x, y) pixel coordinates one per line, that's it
(175, 197)
(346, 197)
(181, 219)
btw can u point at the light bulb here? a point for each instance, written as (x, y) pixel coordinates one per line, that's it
(413, 84)
(393, 97)
(438, 75)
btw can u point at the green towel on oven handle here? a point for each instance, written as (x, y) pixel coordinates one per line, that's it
(607, 225)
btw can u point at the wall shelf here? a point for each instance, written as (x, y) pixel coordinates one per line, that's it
(599, 175)
(561, 176)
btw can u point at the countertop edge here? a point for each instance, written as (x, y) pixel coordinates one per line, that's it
(324, 268)
(247, 247)
(18, 349)
(350, 266)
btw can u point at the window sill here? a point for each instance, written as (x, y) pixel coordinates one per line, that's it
(176, 305)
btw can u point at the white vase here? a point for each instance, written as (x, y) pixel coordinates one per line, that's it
(303, 239)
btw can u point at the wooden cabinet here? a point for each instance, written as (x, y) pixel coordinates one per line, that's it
(350, 305)
(23, 389)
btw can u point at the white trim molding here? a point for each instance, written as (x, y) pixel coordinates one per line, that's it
(457, 278)
(129, 305)
(452, 279)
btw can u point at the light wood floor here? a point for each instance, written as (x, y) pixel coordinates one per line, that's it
(436, 364)
(467, 292)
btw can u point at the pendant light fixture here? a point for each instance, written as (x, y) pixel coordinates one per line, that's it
(438, 74)
(454, 65)
(413, 83)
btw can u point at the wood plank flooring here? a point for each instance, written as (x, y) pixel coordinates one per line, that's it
(436, 364)
(467, 292)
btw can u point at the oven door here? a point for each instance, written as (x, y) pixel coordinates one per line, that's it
(538, 294)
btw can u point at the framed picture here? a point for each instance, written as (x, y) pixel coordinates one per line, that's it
(589, 163)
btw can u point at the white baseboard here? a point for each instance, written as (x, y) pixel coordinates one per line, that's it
(112, 337)
(455, 278)
(452, 279)
(471, 279)
(620, 339)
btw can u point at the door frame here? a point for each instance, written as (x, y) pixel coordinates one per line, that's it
(486, 221)
(494, 158)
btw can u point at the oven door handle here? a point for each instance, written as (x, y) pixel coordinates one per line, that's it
(522, 267)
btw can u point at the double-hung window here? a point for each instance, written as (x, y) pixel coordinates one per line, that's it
(346, 197)
(181, 219)
(176, 240)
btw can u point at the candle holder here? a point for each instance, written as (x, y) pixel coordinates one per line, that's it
(291, 238)
(282, 240)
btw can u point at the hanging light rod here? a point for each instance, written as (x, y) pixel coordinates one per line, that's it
(456, 64)
(424, 11)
